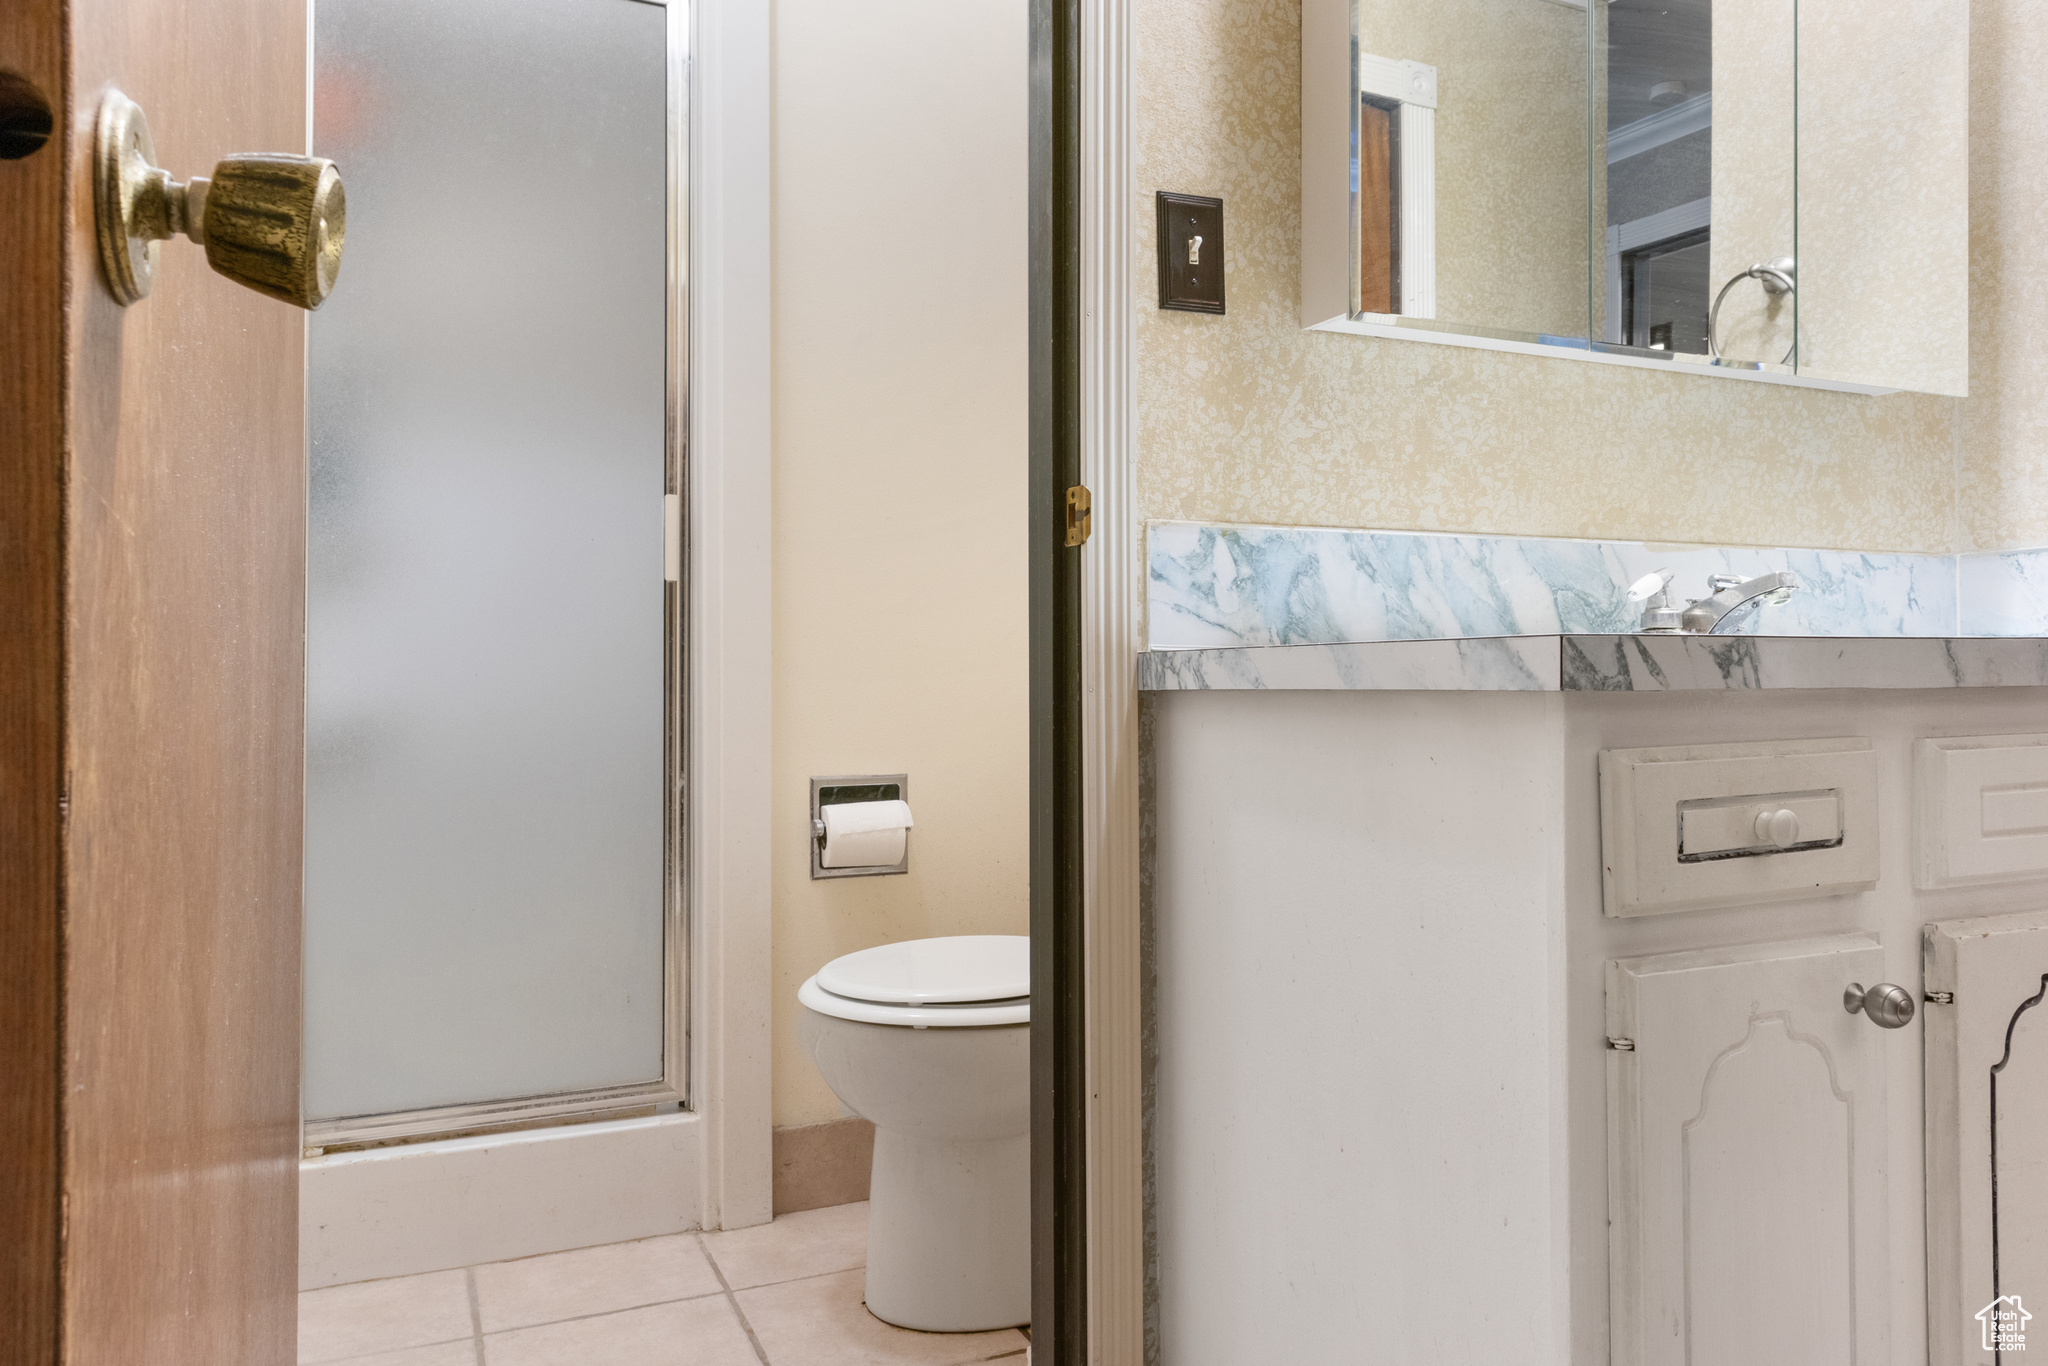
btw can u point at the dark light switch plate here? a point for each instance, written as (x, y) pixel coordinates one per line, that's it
(1190, 270)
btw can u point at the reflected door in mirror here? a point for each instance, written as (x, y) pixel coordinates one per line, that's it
(1379, 222)
(1664, 300)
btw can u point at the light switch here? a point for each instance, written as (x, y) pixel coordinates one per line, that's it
(1190, 252)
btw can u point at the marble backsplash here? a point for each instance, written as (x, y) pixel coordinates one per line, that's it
(2003, 593)
(1215, 586)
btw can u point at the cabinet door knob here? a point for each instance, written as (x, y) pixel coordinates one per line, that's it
(1884, 1005)
(1779, 827)
(271, 221)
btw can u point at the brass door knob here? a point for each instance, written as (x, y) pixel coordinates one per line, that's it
(271, 221)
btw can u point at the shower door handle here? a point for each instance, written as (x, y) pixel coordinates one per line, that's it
(271, 221)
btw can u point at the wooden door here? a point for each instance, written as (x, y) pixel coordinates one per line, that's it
(152, 552)
(1379, 212)
(1987, 1132)
(1746, 1157)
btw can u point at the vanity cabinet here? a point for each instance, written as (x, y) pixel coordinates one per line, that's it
(1418, 1096)
(1746, 1156)
(1987, 1127)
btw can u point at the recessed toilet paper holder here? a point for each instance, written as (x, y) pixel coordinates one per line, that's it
(870, 787)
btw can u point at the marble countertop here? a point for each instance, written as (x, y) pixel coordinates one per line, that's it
(1609, 663)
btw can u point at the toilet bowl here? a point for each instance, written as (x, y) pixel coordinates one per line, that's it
(930, 1040)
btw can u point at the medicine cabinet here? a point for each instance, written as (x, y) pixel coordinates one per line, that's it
(1765, 189)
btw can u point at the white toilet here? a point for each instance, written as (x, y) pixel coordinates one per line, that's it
(930, 1040)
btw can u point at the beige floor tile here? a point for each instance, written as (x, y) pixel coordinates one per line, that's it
(592, 1280)
(691, 1333)
(445, 1354)
(346, 1321)
(822, 1322)
(809, 1243)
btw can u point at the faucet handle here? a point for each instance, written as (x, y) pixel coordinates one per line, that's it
(1653, 592)
(1717, 582)
(1651, 585)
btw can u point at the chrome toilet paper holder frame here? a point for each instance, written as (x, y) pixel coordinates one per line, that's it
(866, 787)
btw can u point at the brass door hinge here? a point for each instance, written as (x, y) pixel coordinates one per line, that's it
(1077, 514)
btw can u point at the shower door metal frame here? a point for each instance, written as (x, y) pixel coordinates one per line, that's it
(672, 1090)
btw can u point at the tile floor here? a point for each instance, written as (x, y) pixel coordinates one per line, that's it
(783, 1294)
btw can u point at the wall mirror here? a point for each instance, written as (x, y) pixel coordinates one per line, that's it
(1766, 189)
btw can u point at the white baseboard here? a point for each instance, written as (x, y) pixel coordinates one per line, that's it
(431, 1206)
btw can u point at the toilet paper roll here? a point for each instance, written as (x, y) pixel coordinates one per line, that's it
(865, 834)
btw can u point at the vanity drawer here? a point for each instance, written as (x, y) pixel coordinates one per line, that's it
(1692, 827)
(1982, 809)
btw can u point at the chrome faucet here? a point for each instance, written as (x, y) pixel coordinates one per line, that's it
(1730, 599)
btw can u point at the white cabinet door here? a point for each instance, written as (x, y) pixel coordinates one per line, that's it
(1987, 1135)
(1746, 1157)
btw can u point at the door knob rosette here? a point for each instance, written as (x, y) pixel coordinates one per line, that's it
(271, 221)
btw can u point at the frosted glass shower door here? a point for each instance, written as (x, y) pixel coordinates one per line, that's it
(487, 824)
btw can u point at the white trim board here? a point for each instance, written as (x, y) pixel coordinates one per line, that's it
(1666, 125)
(1641, 232)
(731, 652)
(1411, 87)
(1385, 78)
(459, 1201)
(1112, 575)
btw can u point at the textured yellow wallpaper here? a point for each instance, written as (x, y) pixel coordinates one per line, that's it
(2002, 476)
(1883, 293)
(1248, 418)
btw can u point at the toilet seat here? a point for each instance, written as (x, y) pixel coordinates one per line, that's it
(955, 981)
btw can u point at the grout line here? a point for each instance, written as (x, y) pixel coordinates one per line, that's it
(599, 1314)
(476, 1318)
(358, 1356)
(807, 1276)
(733, 1299)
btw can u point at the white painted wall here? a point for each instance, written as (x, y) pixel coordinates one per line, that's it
(900, 374)
(1357, 911)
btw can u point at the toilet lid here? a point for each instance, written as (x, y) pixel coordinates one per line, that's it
(953, 970)
(964, 1015)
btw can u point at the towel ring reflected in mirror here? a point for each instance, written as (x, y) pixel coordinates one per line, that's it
(1778, 277)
